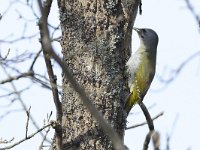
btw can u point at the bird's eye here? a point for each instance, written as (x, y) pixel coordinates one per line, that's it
(144, 30)
(143, 33)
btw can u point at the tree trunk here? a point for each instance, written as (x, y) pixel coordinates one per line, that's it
(96, 42)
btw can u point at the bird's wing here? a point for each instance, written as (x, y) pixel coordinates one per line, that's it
(132, 65)
(144, 76)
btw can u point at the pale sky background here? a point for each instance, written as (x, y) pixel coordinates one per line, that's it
(179, 38)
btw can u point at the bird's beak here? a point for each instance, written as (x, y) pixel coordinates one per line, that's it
(136, 29)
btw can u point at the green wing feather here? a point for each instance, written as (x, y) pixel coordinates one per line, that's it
(143, 77)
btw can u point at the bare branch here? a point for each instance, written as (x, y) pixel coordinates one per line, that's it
(150, 125)
(177, 71)
(144, 123)
(169, 135)
(45, 135)
(3, 141)
(26, 138)
(19, 39)
(10, 94)
(190, 7)
(43, 84)
(34, 60)
(27, 122)
(19, 58)
(147, 116)
(52, 77)
(9, 112)
(5, 57)
(23, 75)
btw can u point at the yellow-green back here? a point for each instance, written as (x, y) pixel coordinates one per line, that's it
(143, 77)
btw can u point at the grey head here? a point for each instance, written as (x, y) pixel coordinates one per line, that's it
(148, 38)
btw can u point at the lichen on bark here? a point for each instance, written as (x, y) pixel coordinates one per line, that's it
(94, 34)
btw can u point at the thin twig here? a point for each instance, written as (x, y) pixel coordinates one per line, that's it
(6, 56)
(169, 135)
(44, 84)
(50, 71)
(9, 112)
(144, 123)
(26, 138)
(140, 7)
(45, 135)
(176, 72)
(22, 75)
(190, 7)
(34, 60)
(27, 122)
(44, 138)
(3, 141)
(19, 39)
(10, 94)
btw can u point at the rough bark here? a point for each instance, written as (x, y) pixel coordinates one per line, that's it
(96, 37)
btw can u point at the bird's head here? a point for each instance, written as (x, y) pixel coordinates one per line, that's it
(148, 38)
